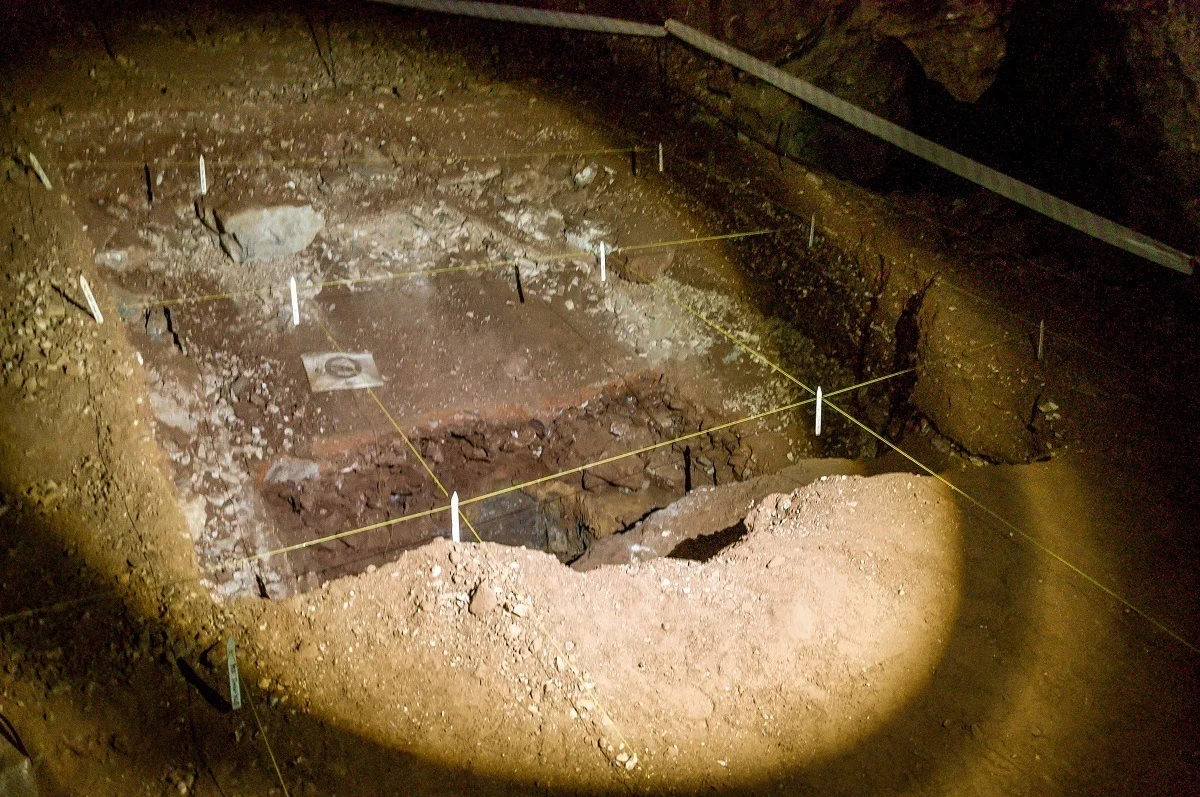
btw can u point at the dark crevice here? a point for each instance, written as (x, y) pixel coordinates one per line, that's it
(905, 355)
(708, 546)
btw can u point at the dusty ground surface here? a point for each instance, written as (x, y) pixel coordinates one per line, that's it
(865, 635)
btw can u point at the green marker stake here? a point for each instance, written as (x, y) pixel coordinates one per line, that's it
(235, 683)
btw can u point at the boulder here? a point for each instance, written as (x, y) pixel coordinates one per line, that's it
(266, 233)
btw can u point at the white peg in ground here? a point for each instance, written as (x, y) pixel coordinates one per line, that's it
(455, 534)
(819, 400)
(39, 171)
(660, 156)
(295, 303)
(91, 299)
(203, 178)
(603, 268)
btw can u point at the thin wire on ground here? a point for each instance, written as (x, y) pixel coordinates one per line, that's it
(115, 593)
(267, 743)
(1013, 528)
(487, 264)
(294, 162)
(558, 648)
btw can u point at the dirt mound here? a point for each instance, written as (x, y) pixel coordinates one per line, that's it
(805, 635)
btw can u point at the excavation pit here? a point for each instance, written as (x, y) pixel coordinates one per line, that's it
(866, 634)
(385, 489)
(473, 282)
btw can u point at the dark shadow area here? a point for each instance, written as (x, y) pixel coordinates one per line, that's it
(211, 696)
(707, 546)
(1063, 115)
(134, 679)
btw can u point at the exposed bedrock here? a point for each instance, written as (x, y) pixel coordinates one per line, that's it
(958, 43)
(1099, 101)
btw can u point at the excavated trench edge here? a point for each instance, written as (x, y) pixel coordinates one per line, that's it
(359, 486)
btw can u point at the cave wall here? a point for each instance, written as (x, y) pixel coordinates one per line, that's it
(958, 43)
(1160, 50)
(870, 52)
(1095, 100)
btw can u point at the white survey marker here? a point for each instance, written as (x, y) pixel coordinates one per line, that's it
(91, 300)
(455, 533)
(37, 169)
(603, 269)
(295, 303)
(819, 400)
(660, 156)
(203, 178)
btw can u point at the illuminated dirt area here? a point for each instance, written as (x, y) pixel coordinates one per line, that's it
(977, 578)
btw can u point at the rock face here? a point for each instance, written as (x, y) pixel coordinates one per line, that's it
(984, 404)
(1161, 47)
(1106, 93)
(866, 51)
(266, 233)
(871, 73)
(958, 43)
(704, 511)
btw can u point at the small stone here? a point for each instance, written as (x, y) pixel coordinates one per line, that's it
(775, 562)
(483, 601)
(520, 610)
(585, 176)
(286, 469)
